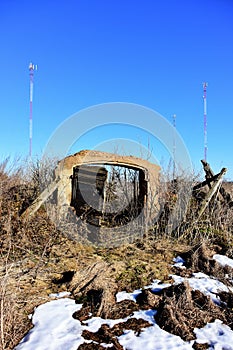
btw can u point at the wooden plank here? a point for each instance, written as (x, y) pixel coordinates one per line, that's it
(209, 176)
(30, 211)
(211, 192)
(206, 182)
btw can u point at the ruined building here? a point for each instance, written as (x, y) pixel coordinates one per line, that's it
(107, 189)
(104, 190)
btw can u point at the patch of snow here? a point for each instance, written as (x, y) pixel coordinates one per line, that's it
(205, 284)
(157, 286)
(94, 323)
(59, 295)
(120, 296)
(54, 327)
(152, 338)
(223, 260)
(147, 315)
(179, 262)
(200, 275)
(216, 334)
(106, 345)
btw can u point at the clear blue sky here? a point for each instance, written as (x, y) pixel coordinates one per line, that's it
(155, 53)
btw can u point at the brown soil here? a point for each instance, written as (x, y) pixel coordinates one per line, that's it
(109, 335)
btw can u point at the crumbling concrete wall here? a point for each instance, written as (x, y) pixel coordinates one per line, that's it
(65, 167)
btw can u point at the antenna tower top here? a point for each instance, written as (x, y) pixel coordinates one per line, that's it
(31, 68)
(205, 120)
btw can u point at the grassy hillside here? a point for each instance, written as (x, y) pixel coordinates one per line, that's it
(37, 259)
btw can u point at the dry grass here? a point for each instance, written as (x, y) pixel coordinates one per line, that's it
(36, 259)
(13, 322)
(181, 310)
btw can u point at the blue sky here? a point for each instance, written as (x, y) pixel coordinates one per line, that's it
(153, 53)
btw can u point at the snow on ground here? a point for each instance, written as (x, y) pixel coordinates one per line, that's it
(155, 287)
(59, 295)
(153, 338)
(179, 262)
(218, 335)
(127, 296)
(205, 284)
(94, 323)
(223, 260)
(56, 329)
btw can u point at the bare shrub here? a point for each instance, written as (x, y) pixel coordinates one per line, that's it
(40, 172)
(179, 214)
(13, 322)
(22, 244)
(174, 200)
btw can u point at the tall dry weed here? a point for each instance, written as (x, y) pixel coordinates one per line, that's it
(21, 243)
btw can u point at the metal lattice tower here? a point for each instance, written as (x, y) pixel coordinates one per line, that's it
(205, 120)
(32, 67)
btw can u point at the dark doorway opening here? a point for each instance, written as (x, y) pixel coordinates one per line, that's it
(108, 194)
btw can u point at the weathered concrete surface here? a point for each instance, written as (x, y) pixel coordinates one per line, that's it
(63, 184)
(65, 167)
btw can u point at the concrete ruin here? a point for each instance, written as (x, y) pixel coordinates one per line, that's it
(93, 191)
(102, 188)
(86, 176)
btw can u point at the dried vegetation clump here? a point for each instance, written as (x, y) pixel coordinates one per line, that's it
(200, 258)
(182, 309)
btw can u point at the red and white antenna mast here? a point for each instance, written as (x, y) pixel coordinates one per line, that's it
(205, 120)
(32, 67)
(174, 146)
